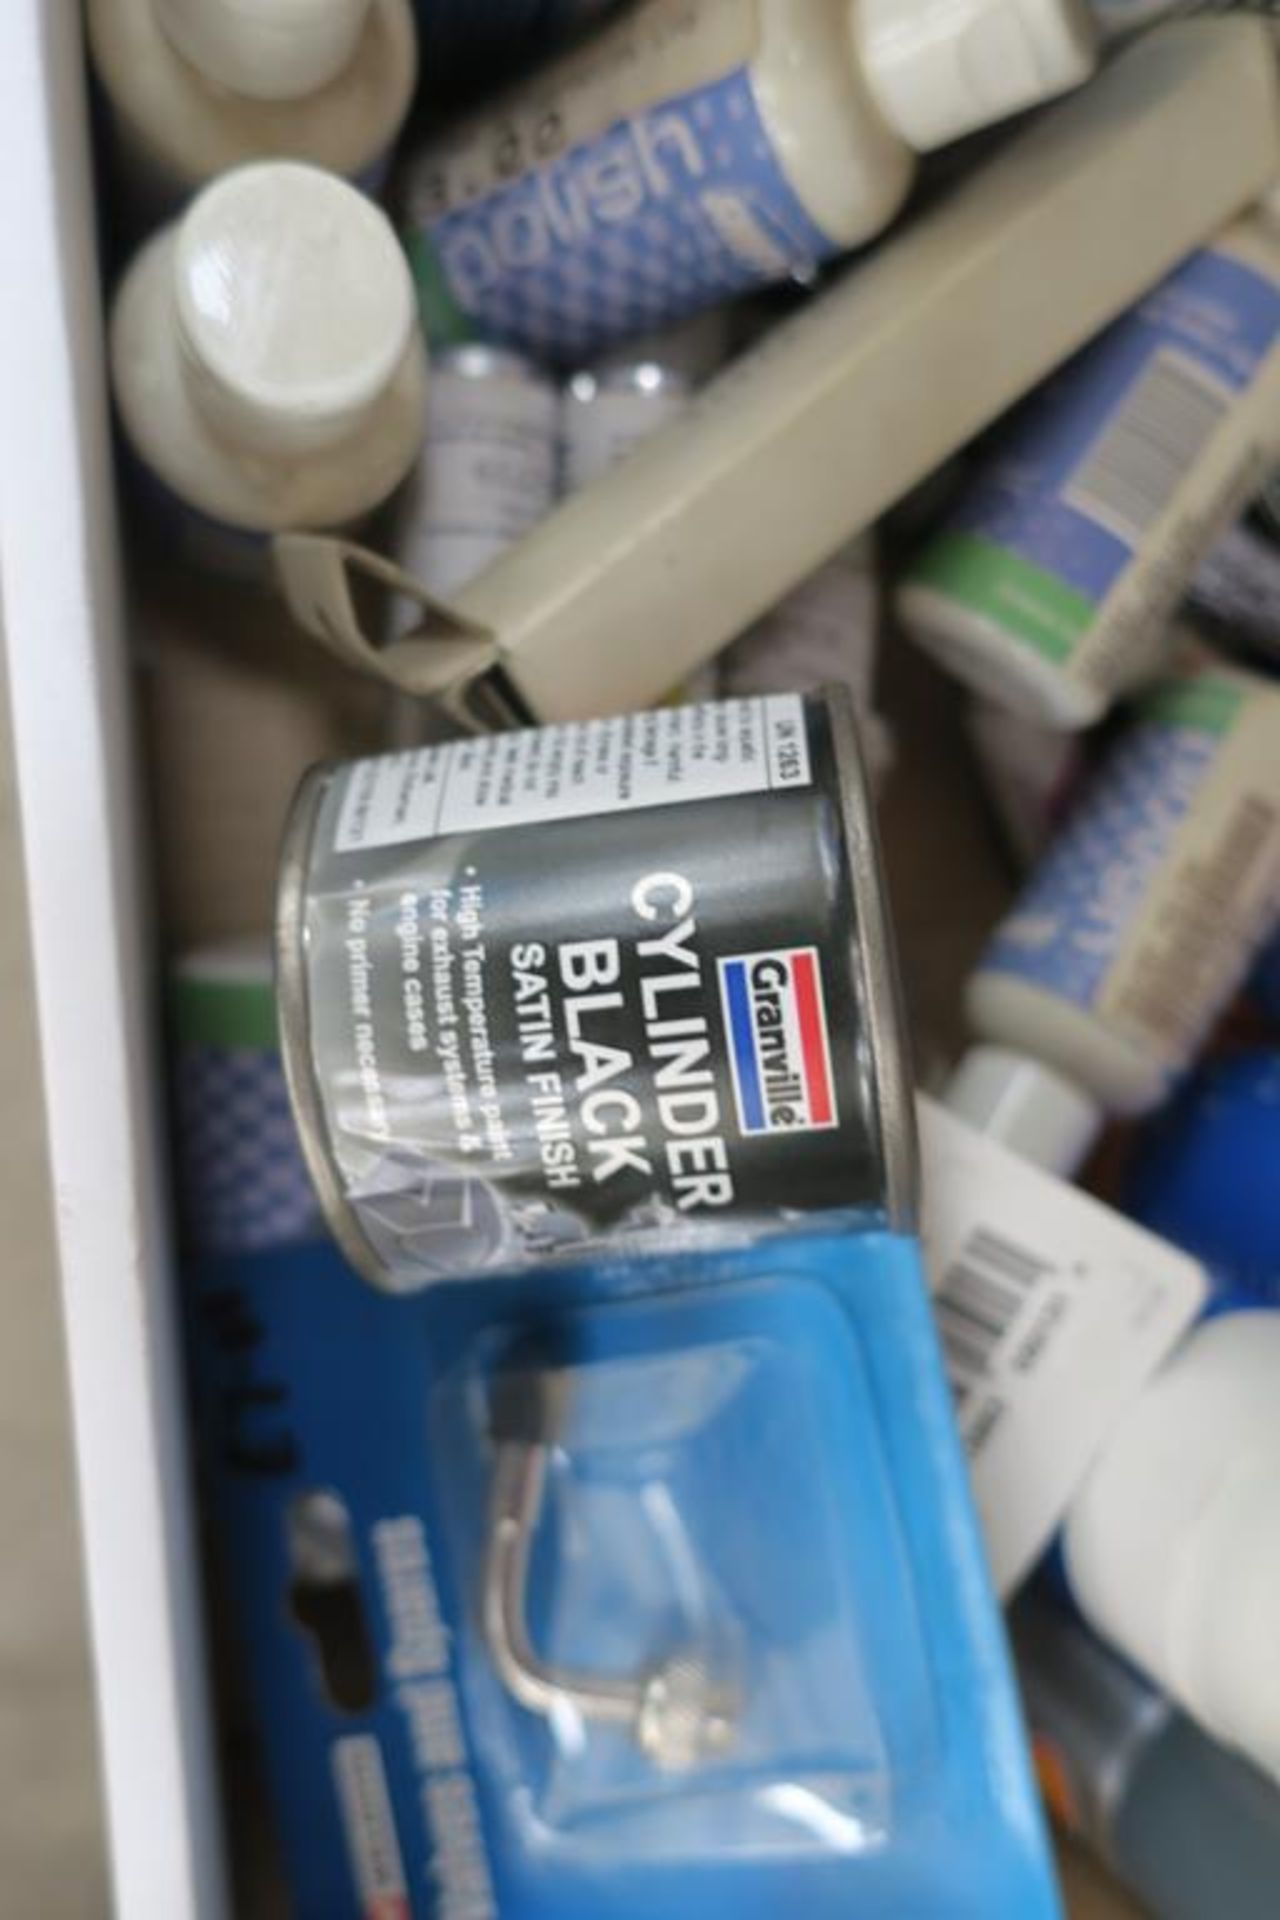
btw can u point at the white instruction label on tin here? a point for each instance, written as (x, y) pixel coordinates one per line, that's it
(1053, 1312)
(584, 767)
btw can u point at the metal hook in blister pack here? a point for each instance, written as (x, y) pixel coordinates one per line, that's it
(677, 1713)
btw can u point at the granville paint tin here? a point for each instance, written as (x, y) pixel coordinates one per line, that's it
(615, 984)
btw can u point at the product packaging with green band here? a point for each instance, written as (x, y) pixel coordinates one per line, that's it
(1152, 904)
(1049, 588)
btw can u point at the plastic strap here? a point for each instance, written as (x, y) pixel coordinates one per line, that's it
(436, 660)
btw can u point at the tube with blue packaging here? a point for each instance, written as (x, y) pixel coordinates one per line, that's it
(1050, 585)
(693, 150)
(1147, 914)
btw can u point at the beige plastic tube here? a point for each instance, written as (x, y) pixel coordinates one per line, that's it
(805, 441)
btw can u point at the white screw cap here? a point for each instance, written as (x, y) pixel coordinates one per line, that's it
(1025, 1106)
(941, 68)
(265, 49)
(294, 303)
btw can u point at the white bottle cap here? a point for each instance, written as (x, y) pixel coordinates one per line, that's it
(1027, 1107)
(265, 49)
(294, 306)
(941, 68)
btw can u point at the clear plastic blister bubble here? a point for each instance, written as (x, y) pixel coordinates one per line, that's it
(677, 1619)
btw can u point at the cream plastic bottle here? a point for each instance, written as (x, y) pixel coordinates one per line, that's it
(1150, 908)
(267, 365)
(1050, 584)
(198, 86)
(698, 148)
(1172, 1544)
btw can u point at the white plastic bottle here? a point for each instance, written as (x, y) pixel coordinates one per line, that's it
(1049, 586)
(609, 408)
(617, 400)
(1145, 917)
(198, 86)
(1172, 1544)
(488, 468)
(268, 368)
(698, 148)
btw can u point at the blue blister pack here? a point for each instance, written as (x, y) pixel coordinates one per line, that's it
(654, 1589)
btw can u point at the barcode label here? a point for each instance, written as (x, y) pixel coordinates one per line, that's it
(1174, 982)
(1131, 472)
(1052, 1313)
(983, 1294)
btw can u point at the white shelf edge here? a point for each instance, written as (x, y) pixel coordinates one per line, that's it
(69, 695)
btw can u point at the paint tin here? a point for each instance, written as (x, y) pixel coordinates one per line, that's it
(618, 984)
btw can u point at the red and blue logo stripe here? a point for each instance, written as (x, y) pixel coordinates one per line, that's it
(779, 1051)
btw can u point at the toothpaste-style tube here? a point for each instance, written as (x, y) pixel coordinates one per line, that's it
(1151, 906)
(1049, 586)
(695, 149)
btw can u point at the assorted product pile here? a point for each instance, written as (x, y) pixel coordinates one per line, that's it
(677, 1442)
